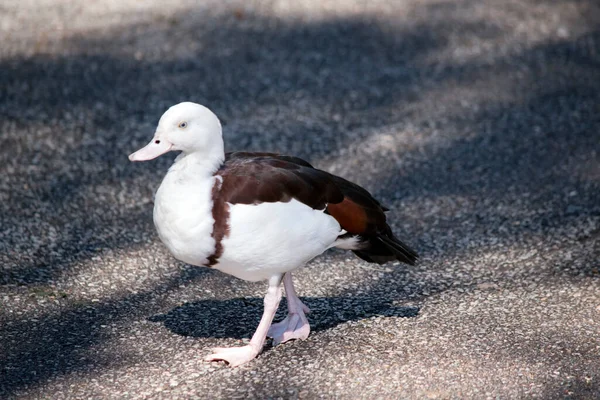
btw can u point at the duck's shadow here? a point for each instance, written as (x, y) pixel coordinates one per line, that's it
(237, 318)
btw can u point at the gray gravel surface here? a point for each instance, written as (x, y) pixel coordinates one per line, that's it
(476, 122)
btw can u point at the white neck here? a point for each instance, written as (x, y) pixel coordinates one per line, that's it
(201, 162)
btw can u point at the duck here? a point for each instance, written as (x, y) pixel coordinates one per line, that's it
(258, 216)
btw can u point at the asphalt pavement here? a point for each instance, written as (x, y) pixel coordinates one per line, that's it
(476, 122)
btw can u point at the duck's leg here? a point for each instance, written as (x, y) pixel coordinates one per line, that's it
(239, 355)
(295, 325)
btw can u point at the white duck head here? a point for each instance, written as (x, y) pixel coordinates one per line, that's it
(187, 127)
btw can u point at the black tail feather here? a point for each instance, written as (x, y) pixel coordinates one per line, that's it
(383, 248)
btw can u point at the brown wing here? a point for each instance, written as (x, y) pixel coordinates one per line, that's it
(253, 178)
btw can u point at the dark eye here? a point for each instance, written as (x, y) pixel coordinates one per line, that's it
(183, 125)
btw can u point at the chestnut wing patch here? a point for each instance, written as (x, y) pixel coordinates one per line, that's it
(359, 213)
(351, 217)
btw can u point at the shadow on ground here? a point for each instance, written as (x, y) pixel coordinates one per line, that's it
(241, 315)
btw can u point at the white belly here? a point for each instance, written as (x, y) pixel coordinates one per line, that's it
(271, 238)
(183, 216)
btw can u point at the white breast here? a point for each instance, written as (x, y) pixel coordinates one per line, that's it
(271, 238)
(183, 215)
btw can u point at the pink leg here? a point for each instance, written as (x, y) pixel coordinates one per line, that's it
(295, 325)
(240, 355)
